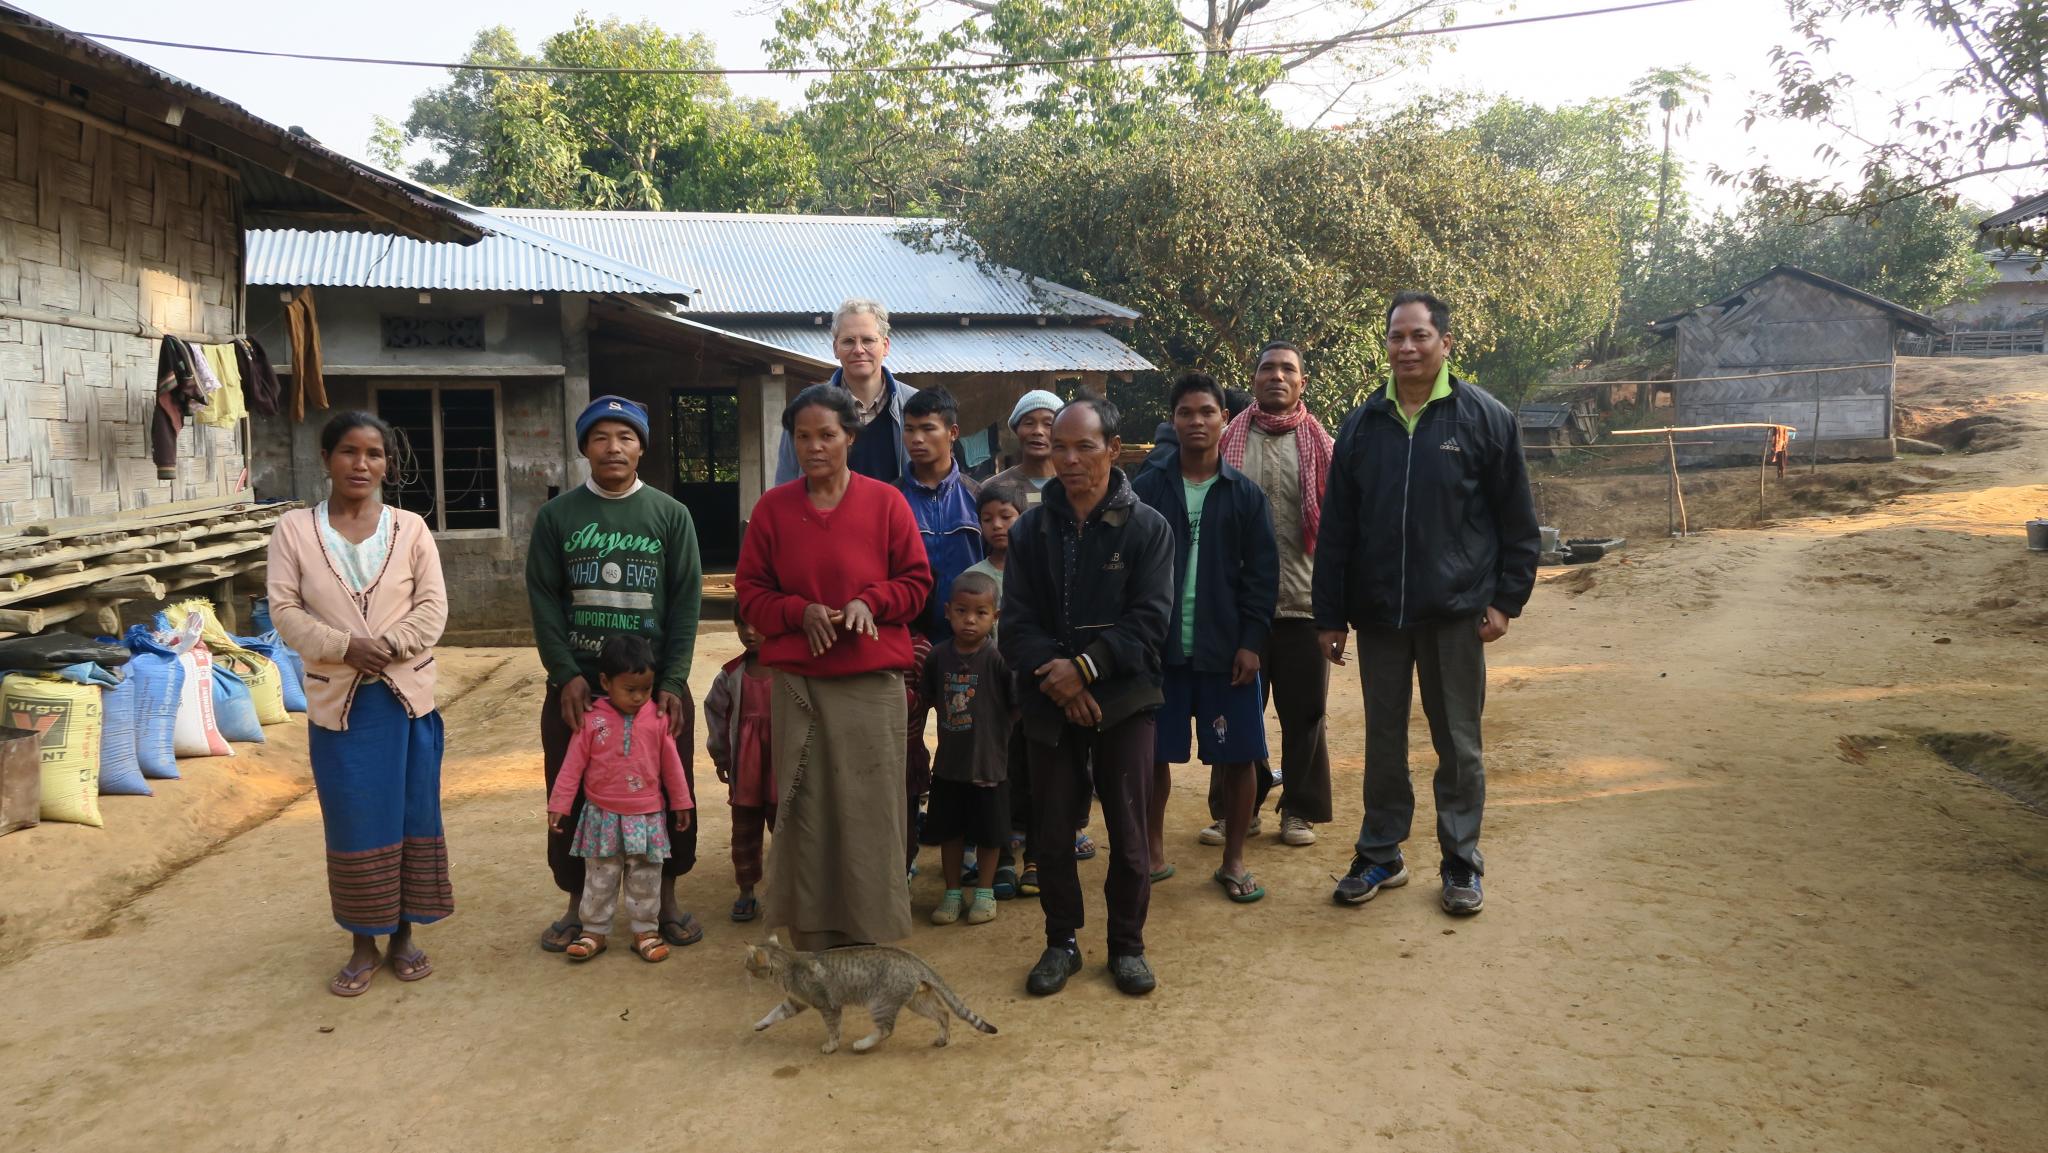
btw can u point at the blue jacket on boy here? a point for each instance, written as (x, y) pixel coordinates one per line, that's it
(950, 525)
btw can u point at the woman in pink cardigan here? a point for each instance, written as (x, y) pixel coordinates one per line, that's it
(356, 588)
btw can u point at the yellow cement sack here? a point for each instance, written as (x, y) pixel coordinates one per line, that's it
(67, 716)
(260, 673)
(266, 684)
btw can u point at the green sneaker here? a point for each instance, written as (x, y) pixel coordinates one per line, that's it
(948, 911)
(984, 908)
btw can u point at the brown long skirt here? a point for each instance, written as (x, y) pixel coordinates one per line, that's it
(835, 868)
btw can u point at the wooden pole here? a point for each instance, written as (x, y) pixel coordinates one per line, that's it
(1677, 501)
(1816, 424)
(1763, 466)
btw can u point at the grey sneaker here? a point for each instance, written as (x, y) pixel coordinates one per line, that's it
(1462, 896)
(1296, 831)
(1365, 880)
(1213, 834)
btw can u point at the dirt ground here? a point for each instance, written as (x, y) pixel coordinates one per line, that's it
(1759, 880)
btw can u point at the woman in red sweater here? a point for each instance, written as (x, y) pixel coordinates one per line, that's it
(832, 573)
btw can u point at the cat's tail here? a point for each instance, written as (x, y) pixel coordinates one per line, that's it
(958, 1006)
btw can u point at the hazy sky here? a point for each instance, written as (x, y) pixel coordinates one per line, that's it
(1547, 63)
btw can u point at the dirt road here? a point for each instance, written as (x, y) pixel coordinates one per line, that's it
(1736, 902)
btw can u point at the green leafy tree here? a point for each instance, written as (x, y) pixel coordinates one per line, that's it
(460, 121)
(1226, 234)
(898, 141)
(608, 139)
(1999, 79)
(1920, 252)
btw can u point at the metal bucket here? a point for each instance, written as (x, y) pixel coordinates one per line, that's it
(2037, 535)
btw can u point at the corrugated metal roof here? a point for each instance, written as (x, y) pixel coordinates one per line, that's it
(511, 259)
(981, 348)
(764, 265)
(2019, 213)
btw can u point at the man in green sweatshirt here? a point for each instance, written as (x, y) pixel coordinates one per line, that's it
(613, 556)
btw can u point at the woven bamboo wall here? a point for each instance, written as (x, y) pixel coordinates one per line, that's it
(97, 227)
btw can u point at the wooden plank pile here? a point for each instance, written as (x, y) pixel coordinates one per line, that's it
(52, 572)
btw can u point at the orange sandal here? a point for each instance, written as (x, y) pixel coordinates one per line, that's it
(585, 947)
(651, 947)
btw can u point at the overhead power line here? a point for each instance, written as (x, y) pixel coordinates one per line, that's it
(975, 66)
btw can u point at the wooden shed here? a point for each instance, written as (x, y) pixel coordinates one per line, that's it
(1551, 427)
(1790, 347)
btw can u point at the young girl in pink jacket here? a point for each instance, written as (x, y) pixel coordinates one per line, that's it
(630, 775)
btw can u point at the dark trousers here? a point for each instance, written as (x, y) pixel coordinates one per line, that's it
(555, 735)
(1020, 799)
(1297, 681)
(1448, 659)
(748, 821)
(1122, 757)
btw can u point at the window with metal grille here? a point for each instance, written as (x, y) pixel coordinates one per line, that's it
(460, 332)
(446, 466)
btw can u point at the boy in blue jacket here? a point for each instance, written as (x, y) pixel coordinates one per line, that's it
(942, 499)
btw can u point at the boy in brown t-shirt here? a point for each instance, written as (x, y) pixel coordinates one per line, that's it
(969, 687)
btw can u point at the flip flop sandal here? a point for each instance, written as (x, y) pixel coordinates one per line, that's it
(1242, 888)
(342, 984)
(682, 932)
(650, 947)
(1027, 882)
(567, 930)
(1006, 883)
(746, 909)
(589, 947)
(1163, 872)
(1084, 848)
(418, 968)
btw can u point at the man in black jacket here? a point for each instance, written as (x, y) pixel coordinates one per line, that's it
(1087, 590)
(1428, 548)
(1225, 579)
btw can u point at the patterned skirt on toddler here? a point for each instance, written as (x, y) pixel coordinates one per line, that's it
(603, 833)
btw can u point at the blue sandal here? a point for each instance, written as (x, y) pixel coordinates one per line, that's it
(746, 908)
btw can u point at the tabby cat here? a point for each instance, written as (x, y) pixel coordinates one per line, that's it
(884, 979)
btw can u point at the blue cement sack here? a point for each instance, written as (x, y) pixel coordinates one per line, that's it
(158, 681)
(234, 710)
(289, 663)
(120, 770)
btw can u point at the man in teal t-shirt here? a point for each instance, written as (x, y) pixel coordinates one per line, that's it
(613, 556)
(1226, 589)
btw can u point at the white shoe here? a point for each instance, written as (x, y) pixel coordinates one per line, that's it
(1296, 831)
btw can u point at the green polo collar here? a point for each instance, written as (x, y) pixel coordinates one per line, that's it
(1442, 391)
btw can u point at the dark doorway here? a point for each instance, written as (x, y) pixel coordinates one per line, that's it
(705, 432)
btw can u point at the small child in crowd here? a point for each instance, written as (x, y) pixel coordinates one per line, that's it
(998, 507)
(737, 724)
(967, 682)
(630, 774)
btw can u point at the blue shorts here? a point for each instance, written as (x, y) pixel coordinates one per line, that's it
(1229, 720)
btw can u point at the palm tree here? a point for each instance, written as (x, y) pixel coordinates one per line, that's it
(1676, 90)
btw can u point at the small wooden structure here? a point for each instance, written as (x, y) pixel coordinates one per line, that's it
(1550, 427)
(1795, 348)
